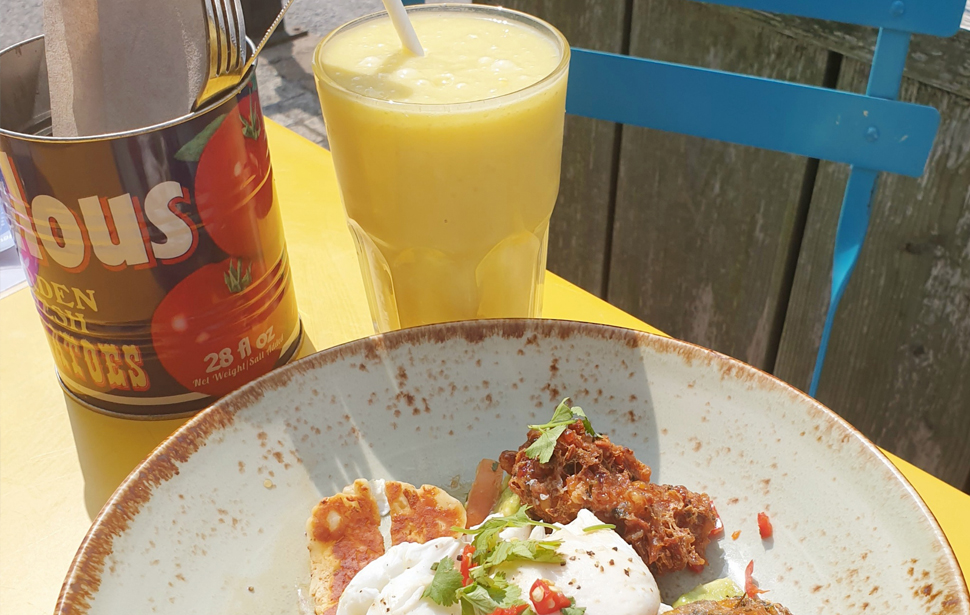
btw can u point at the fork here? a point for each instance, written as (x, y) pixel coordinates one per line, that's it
(226, 35)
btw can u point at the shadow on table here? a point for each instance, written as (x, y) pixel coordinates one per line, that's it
(307, 347)
(109, 448)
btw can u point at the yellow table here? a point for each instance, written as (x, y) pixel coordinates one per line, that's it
(46, 502)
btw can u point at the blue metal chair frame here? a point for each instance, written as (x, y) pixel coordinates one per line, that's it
(872, 132)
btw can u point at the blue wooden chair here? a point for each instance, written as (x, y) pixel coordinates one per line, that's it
(871, 132)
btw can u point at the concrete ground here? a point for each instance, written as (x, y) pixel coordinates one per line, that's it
(284, 73)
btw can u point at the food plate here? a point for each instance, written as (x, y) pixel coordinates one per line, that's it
(214, 521)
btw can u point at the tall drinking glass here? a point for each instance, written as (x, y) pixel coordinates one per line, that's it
(448, 164)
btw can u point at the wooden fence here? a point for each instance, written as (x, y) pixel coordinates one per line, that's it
(730, 247)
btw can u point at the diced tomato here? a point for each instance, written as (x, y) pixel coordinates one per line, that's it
(764, 525)
(546, 599)
(750, 587)
(485, 491)
(696, 568)
(718, 526)
(512, 610)
(466, 564)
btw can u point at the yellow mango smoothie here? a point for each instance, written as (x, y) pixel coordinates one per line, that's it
(448, 164)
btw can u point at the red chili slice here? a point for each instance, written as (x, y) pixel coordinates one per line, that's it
(718, 526)
(764, 525)
(546, 599)
(466, 564)
(750, 587)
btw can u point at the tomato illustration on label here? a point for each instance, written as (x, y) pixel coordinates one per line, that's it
(224, 325)
(234, 190)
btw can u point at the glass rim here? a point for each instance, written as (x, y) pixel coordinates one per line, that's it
(530, 20)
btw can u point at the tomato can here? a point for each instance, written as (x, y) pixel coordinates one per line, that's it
(156, 257)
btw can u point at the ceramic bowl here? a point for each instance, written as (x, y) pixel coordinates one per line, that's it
(214, 521)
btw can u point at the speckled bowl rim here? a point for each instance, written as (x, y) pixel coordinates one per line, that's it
(84, 576)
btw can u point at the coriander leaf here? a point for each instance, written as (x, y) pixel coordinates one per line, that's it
(562, 414)
(495, 582)
(445, 584)
(499, 594)
(506, 596)
(478, 597)
(601, 526)
(563, 411)
(502, 553)
(487, 541)
(479, 575)
(572, 609)
(563, 417)
(521, 518)
(524, 551)
(578, 412)
(546, 553)
(487, 534)
(496, 585)
(544, 446)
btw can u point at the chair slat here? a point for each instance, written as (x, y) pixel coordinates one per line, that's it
(849, 238)
(869, 132)
(884, 81)
(888, 64)
(936, 17)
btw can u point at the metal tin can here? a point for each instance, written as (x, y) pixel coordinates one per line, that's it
(156, 257)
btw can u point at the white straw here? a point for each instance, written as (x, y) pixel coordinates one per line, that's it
(399, 17)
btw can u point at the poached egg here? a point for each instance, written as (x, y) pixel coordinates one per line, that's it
(600, 571)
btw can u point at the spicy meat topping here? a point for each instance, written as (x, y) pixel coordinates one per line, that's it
(669, 526)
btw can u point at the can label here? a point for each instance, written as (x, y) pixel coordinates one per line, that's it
(157, 261)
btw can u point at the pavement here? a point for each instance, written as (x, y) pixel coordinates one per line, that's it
(284, 72)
